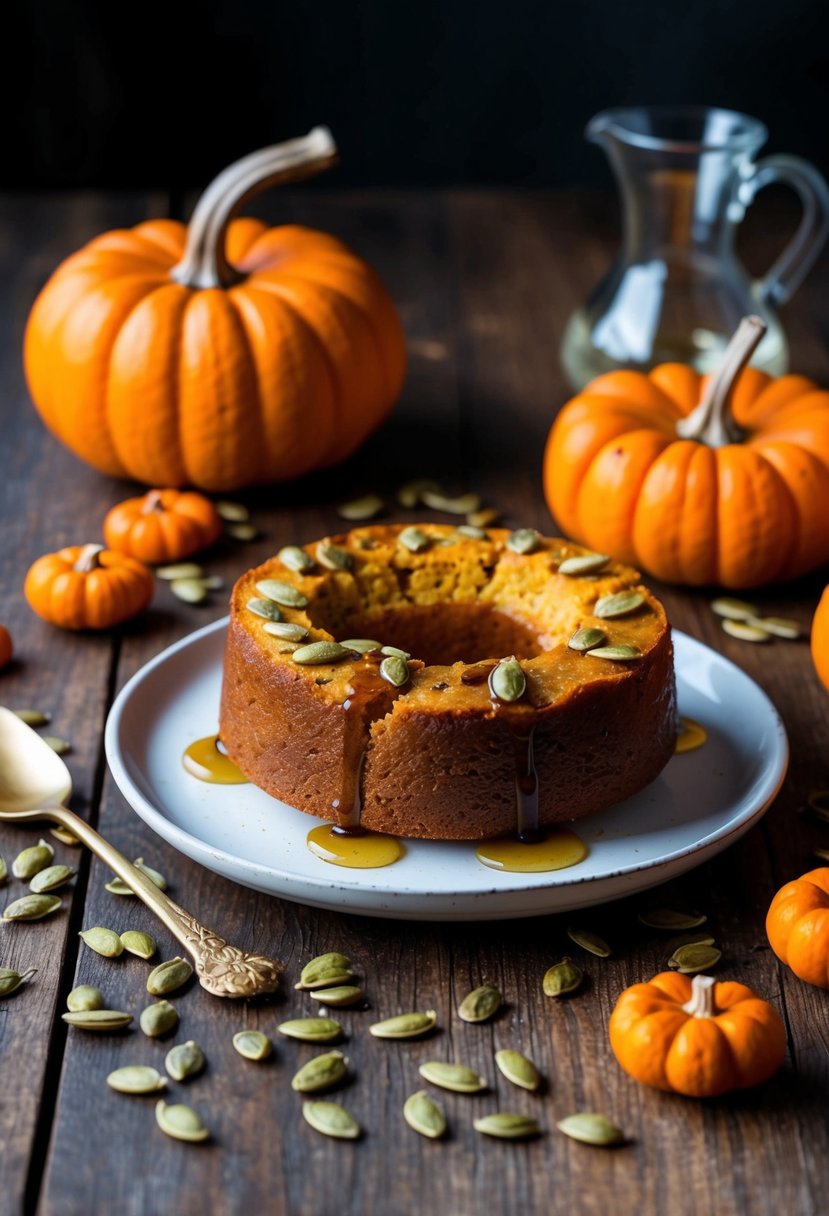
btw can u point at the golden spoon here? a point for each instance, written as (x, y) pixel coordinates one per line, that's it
(34, 781)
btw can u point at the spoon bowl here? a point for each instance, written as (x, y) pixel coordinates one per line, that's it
(31, 774)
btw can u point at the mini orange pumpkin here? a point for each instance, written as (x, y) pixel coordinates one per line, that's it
(697, 480)
(820, 639)
(220, 355)
(6, 648)
(162, 525)
(797, 926)
(88, 587)
(696, 1037)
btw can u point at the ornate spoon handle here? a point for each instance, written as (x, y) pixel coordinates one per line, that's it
(222, 969)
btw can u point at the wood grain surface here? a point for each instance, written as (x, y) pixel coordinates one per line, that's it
(484, 282)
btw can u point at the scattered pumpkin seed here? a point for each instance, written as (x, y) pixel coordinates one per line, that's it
(585, 563)
(323, 1072)
(616, 654)
(311, 1030)
(333, 557)
(395, 670)
(180, 1122)
(462, 505)
(158, 1019)
(180, 570)
(331, 1119)
(185, 1060)
(360, 645)
(339, 996)
(117, 886)
(395, 652)
(296, 559)
(822, 854)
(324, 971)
(457, 1077)
(213, 582)
(733, 610)
(268, 609)
(507, 1126)
(524, 540)
(84, 998)
(484, 518)
(154, 875)
(518, 1069)
(51, 879)
(105, 942)
(32, 907)
(252, 1044)
(590, 1128)
(589, 941)
(745, 632)
(97, 1019)
(620, 604)
(405, 1025)
(4, 873)
(688, 939)
(65, 837)
(320, 652)
(189, 590)
(409, 495)
(690, 960)
(818, 801)
(136, 1079)
(480, 1005)
(281, 593)
(32, 860)
(60, 747)
(284, 629)
(11, 980)
(33, 717)
(367, 507)
(563, 978)
(467, 530)
(507, 681)
(424, 1116)
(670, 919)
(242, 531)
(168, 976)
(414, 539)
(141, 944)
(587, 639)
(779, 626)
(232, 512)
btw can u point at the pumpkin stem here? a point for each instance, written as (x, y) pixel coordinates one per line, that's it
(701, 1004)
(205, 263)
(712, 422)
(88, 558)
(152, 502)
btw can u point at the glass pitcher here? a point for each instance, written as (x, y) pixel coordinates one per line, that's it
(677, 292)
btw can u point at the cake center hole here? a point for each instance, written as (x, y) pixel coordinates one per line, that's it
(445, 633)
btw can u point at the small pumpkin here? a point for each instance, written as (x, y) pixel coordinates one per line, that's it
(222, 354)
(696, 1037)
(721, 480)
(88, 587)
(820, 639)
(6, 648)
(797, 926)
(162, 525)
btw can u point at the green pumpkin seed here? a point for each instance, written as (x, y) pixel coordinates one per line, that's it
(296, 559)
(179, 570)
(687, 939)
(818, 801)
(252, 1044)
(563, 978)
(457, 1077)
(778, 626)
(322, 1072)
(4, 873)
(105, 942)
(118, 887)
(405, 1025)
(524, 540)
(180, 1122)
(518, 1069)
(65, 836)
(185, 1060)
(324, 971)
(154, 876)
(670, 919)
(409, 495)
(268, 609)
(822, 854)
(507, 1126)
(395, 670)
(733, 610)
(32, 907)
(158, 1019)
(232, 512)
(213, 582)
(452, 506)
(585, 563)
(507, 681)
(616, 654)
(11, 980)
(359, 509)
(60, 747)
(242, 531)
(97, 1019)
(32, 860)
(589, 941)
(692, 959)
(414, 539)
(620, 604)
(136, 1079)
(746, 632)
(141, 944)
(311, 1030)
(283, 629)
(360, 645)
(189, 590)
(590, 1128)
(33, 717)
(424, 1116)
(331, 1119)
(168, 976)
(281, 593)
(480, 1005)
(51, 879)
(587, 639)
(333, 557)
(339, 996)
(320, 652)
(84, 998)
(470, 531)
(484, 518)
(394, 652)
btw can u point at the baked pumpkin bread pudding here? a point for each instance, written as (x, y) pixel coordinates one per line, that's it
(413, 679)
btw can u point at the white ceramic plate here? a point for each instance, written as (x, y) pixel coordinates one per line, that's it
(702, 802)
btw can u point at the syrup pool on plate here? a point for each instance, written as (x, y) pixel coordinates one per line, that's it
(206, 760)
(555, 849)
(358, 850)
(690, 735)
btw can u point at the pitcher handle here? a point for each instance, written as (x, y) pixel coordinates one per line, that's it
(797, 259)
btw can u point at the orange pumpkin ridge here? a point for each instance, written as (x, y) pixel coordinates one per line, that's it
(797, 926)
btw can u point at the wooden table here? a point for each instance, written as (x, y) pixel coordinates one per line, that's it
(485, 282)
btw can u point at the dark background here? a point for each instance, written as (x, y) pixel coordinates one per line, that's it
(463, 91)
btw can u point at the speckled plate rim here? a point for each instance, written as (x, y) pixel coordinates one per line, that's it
(497, 895)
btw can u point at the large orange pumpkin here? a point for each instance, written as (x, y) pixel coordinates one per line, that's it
(797, 926)
(697, 480)
(820, 639)
(220, 355)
